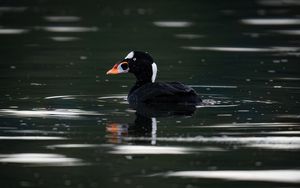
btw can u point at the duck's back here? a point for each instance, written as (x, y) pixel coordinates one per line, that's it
(160, 92)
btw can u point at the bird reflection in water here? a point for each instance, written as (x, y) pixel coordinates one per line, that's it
(145, 124)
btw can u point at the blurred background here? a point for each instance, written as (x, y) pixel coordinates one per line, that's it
(65, 123)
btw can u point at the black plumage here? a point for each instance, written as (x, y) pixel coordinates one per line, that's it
(146, 90)
(161, 92)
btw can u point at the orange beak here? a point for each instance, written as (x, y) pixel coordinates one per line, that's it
(116, 70)
(113, 70)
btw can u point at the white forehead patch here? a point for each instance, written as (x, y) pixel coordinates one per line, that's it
(130, 55)
(154, 72)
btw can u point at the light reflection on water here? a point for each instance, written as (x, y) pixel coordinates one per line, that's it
(283, 176)
(12, 31)
(129, 150)
(140, 149)
(245, 125)
(279, 3)
(289, 116)
(12, 9)
(189, 36)
(213, 86)
(63, 29)
(276, 146)
(158, 150)
(63, 96)
(243, 49)
(271, 21)
(64, 39)
(64, 113)
(114, 97)
(75, 146)
(173, 23)
(62, 18)
(288, 32)
(292, 142)
(40, 159)
(32, 138)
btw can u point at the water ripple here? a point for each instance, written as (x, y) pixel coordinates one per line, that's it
(65, 113)
(32, 138)
(69, 29)
(74, 146)
(62, 18)
(279, 3)
(64, 39)
(114, 97)
(172, 23)
(13, 9)
(188, 36)
(40, 159)
(214, 86)
(157, 150)
(63, 96)
(12, 31)
(293, 141)
(288, 32)
(271, 21)
(248, 125)
(282, 176)
(243, 49)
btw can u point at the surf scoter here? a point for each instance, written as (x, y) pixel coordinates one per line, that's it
(146, 90)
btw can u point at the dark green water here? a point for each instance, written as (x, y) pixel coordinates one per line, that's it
(64, 123)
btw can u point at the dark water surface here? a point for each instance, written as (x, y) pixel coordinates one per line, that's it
(64, 123)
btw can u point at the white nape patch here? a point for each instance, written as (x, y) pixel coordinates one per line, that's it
(130, 55)
(154, 72)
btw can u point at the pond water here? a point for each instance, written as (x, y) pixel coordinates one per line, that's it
(65, 123)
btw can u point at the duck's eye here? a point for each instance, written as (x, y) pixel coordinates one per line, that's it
(124, 66)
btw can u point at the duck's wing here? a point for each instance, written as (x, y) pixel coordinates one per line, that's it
(177, 87)
(163, 92)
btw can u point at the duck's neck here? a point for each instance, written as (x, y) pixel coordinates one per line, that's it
(141, 79)
(138, 84)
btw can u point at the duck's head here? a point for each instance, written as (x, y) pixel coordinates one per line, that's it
(139, 63)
